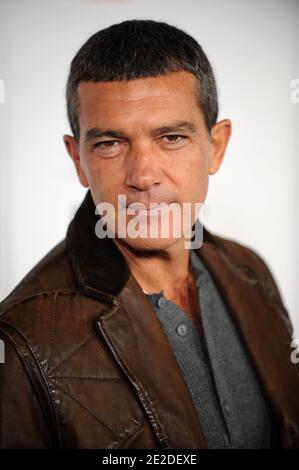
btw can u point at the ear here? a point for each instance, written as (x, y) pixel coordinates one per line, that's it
(72, 147)
(220, 135)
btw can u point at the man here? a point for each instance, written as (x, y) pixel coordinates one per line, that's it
(140, 341)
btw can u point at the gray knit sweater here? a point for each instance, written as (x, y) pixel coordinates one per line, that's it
(225, 390)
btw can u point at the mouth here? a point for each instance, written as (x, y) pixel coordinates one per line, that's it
(148, 207)
(153, 209)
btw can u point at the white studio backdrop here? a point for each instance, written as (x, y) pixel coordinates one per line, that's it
(253, 47)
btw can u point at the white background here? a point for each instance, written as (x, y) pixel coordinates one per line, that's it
(253, 47)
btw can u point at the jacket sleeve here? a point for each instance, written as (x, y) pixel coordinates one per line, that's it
(22, 422)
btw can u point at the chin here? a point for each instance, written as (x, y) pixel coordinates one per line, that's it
(149, 244)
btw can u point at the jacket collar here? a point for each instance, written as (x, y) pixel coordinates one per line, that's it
(88, 253)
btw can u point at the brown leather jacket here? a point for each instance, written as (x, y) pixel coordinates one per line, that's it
(87, 364)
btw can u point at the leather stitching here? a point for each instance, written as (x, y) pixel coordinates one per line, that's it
(29, 373)
(83, 407)
(53, 325)
(72, 353)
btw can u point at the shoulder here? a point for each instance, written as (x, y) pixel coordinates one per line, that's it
(52, 273)
(37, 315)
(250, 261)
(34, 297)
(30, 308)
(252, 266)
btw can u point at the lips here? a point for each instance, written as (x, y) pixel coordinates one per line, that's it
(146, 206)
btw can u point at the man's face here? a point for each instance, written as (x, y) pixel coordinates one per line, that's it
(145, 139)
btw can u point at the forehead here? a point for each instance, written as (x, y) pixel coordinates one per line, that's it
(174, 92)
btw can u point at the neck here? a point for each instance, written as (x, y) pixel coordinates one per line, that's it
(167, 270)
(159, 269)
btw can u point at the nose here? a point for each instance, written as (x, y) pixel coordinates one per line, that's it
(143, 167)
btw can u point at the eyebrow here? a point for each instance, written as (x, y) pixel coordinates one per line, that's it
(96, 132)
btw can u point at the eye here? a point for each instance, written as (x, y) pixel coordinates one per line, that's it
(107, 144)
(175, 138)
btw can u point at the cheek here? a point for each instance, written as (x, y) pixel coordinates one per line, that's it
(104, 180)
(194, 177)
